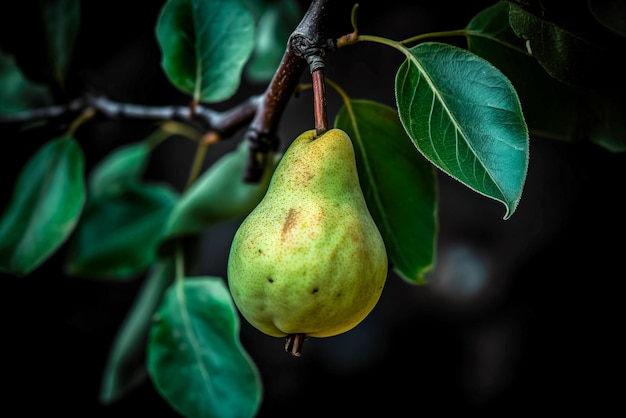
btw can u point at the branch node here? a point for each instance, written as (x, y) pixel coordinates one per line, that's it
(259, 145)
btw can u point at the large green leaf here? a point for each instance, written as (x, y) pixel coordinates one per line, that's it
(18, 93)
(399, 185)
(218, 195)
(46, 204)
(119, 169)
(195, 358)
(551, 109)
(205, 45)
(464, 115)
(118, 234)
(125, 368)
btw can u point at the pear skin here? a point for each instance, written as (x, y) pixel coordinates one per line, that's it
(309, 259)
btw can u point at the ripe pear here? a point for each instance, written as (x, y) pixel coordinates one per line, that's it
(309, 259)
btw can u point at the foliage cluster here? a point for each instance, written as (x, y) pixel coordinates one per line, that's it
(529, 67)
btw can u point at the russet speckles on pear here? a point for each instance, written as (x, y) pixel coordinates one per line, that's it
(309, 259)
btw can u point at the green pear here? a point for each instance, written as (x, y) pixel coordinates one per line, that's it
(309, 261)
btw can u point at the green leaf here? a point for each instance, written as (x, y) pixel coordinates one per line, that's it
(571, 49)
(119, 169)
(195, 358)
(118, 234)
(18, 93)
(46, 204)
(41, 36)
(547, 103)
(61, 23)
(465, 117)
(399, 185)
(205, 45)
(274, 27)
(551, 109)
(125, 368)
(219, 194)
(605, 122)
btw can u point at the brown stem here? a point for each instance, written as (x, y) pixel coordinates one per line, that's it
(319, 101)
(294, 343)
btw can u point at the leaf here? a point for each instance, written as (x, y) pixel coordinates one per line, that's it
(218, 195)
(125, 368)
(195, 358)
(42, 36)
(118, 234)
(543, 98)
(61, 22)
(464, 116)
(574, 50)
(205, 45)
(551, 109)
(119, 169)
(45, 206)
(274, 27)
(16, 92)
(399, 185)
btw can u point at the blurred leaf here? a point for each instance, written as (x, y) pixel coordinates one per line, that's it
(46, 204)
(195, 358)
(41, 35)
(611, 14)
(119, 169)
(258, 7)
(126, 364)
(61, 22)
(219, 194)
(399, 185)
(16, 92)
(205, 45)
(607, 125)
(551, 109)
(464, 116)
(118, 234)
(274, 27)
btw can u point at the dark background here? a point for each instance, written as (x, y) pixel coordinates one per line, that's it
(520, 315)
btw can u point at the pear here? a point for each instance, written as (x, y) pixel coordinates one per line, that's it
(309, 261)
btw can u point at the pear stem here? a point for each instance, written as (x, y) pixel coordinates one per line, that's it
(294, 343)
(319, 101)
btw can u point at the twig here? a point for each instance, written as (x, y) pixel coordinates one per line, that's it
(305, 43)
(309, 41)
(319, 102)
(223, 122)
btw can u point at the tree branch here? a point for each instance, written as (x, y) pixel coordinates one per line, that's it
(305, 46)
(262, 131)
(207, 119)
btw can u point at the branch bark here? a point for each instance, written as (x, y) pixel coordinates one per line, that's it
(305, 46)
(225, 123)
